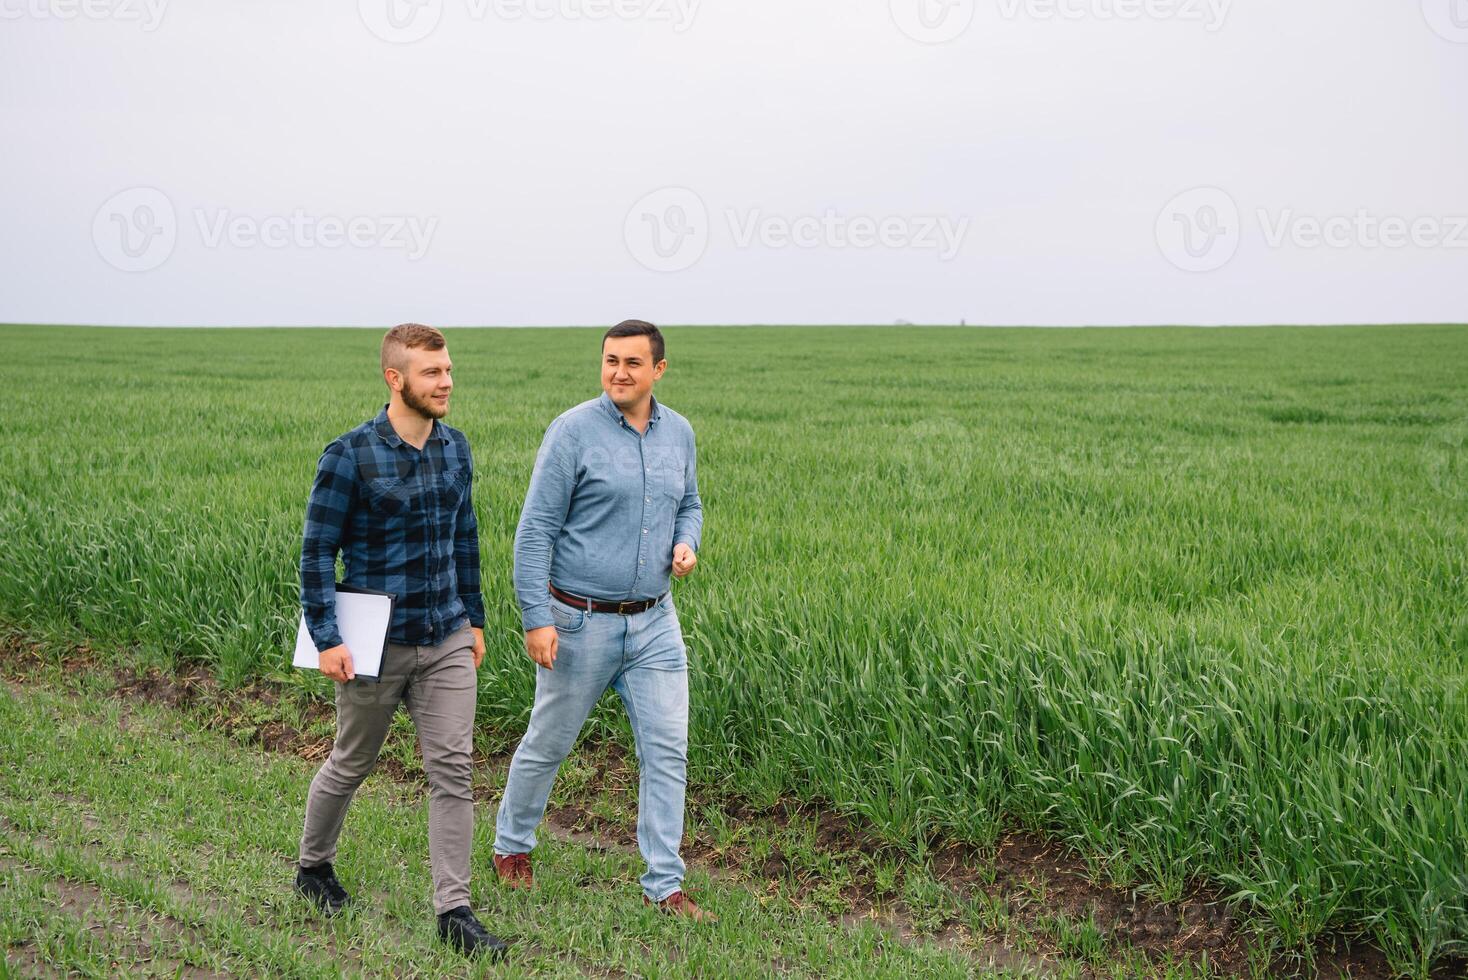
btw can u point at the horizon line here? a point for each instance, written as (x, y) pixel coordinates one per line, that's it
(736, 326)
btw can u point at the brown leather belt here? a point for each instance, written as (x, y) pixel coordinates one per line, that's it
(626, 608)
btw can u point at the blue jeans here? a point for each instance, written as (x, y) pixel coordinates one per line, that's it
(643, 658)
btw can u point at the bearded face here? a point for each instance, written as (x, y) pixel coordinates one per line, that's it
(429, 399)
(426, 380)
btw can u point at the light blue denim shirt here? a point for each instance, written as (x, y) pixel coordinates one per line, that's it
(605, 507)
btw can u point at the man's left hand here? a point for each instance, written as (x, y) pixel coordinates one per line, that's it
(683, 560)
(478, 646)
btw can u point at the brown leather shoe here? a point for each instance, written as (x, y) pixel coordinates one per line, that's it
(679, 903)
(514, 870)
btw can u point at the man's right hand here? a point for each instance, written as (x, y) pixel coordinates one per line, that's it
(541, 644)
(336, 663)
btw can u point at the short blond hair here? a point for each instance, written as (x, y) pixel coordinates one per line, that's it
(405, 336)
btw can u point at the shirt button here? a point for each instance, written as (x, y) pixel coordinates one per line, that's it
(642, 563)
(647, 500)
(644, 530)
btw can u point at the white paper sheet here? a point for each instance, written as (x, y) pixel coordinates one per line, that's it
(363, 619)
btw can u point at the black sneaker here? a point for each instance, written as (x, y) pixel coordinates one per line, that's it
(461, 930)
(320, 886)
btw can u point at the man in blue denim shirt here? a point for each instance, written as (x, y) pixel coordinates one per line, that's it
(393, 495)
(611, 512)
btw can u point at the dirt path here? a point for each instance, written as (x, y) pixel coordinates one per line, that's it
(1049, 912)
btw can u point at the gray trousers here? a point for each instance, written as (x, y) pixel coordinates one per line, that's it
(438, 686)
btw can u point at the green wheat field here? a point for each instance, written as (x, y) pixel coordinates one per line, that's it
(1193, 601)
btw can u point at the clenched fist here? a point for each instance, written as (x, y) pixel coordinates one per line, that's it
(683, 560)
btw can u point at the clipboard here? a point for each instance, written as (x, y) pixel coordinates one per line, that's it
(363, 617)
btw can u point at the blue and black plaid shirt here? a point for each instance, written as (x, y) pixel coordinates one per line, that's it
(404, 522)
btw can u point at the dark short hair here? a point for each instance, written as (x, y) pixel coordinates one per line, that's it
(638, 328)
(408, 336)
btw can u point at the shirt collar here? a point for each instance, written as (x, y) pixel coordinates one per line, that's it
(616, 413)
(389, 435)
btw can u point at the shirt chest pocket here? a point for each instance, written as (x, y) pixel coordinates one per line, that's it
(670, 475)
(392, 496)
(455, 483)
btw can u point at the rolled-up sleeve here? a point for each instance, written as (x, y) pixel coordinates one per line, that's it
(544, 515)
(688, 525)
(333, 495)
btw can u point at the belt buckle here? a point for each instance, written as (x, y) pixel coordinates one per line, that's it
(622, 608)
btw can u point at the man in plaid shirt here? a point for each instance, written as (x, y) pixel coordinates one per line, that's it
(393, 496)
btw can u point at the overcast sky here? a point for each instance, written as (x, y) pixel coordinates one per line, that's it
(734, 161)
